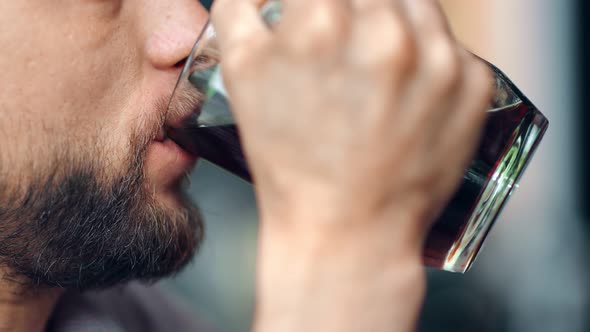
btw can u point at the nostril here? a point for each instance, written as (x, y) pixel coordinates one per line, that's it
(180, 63)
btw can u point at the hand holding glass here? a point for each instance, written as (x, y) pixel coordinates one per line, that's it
(512, 132)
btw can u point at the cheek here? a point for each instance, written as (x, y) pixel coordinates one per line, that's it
(34, 155)
(38, 124)
(56, 102)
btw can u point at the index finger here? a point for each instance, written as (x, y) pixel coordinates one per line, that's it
(238, 23)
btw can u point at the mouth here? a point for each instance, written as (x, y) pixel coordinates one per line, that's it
(179, 135)
(167, 161)
(167, 166)
(182, 114)
(161, 137)
(169, 158)
(174, 135)
(179, 141)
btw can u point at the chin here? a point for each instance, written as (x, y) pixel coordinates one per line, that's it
(174, 198)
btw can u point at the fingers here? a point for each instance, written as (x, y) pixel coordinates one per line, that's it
(427, 17)
(382, 43)
(438, 77)
(470, 110)
(364, 5)
(314, 29)
(440, 65)
(238, 24)
(473, 99)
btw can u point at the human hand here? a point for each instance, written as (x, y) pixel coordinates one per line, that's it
(358, 119)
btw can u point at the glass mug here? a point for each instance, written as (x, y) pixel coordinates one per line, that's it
(512, 132)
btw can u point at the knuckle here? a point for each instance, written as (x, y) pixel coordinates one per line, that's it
(321, 31)
(389, 42)
(311, 45)
(241, 60)
(482, 86)
(219, 7)
(445, 65)
(238, 62)
(428, 16)
(405, 50)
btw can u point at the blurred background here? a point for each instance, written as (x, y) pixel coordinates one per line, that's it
(533, 272)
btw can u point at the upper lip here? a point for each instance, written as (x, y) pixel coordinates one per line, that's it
(184, 106)
(161, 137)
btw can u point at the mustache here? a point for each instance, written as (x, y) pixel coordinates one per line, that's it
(181, 107)
(186, 103)
(165, 112)
(149, 123)
(191, 91)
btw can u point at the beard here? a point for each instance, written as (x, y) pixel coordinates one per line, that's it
(74, 227)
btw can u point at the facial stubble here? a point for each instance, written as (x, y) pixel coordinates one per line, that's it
(81, 229)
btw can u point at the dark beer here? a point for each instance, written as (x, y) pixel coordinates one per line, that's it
(505, 133)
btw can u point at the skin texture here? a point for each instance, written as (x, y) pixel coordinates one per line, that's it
(474, 24)
(344, 210)
(84, 92)
(349, 201)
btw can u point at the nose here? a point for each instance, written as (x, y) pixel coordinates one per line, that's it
(172, 30)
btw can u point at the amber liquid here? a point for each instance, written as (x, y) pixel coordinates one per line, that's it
(221, 146)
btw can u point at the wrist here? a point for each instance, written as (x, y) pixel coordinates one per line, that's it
(315, 273)
(322, 226)
(325, 297)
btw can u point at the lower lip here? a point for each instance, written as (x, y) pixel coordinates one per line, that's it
(172, 148)
(169, 160)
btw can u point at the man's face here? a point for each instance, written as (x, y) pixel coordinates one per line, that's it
(89, 194)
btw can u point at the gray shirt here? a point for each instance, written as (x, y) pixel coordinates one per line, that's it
(131, 308)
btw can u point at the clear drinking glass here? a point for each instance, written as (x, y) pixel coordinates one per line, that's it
(513, 130)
